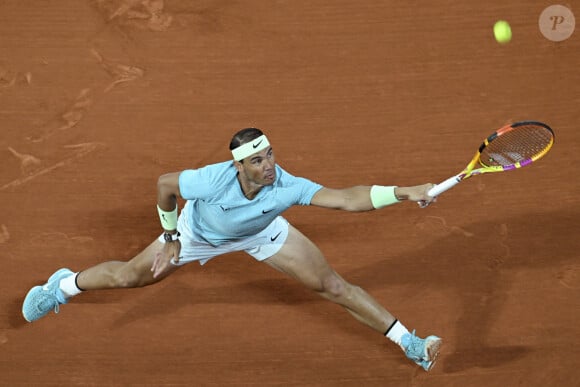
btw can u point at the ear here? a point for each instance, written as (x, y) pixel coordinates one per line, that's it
(239, 166)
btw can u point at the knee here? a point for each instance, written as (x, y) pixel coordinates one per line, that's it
(334, 287)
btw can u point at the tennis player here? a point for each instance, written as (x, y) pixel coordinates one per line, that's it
(236, 206)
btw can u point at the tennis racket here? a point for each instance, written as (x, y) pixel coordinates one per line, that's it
(511, 147)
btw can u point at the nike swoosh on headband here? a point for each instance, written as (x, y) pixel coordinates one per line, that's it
(249, 148)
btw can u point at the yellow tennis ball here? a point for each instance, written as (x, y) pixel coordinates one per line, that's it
(502, 31)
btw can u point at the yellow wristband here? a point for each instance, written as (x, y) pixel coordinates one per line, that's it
(382, 196)
(168, 219)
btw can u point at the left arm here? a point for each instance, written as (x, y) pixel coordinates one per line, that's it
(358, 198)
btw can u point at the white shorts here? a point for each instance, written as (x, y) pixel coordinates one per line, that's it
(260, 246)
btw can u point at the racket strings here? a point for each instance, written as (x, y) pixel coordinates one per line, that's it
(526, 142)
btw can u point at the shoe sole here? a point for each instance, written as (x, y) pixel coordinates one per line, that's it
(433, 351)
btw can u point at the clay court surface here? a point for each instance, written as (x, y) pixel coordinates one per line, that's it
(98, 98)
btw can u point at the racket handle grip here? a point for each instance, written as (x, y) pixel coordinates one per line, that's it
(444, 186)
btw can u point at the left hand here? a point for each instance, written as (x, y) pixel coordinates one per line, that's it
(163, 258)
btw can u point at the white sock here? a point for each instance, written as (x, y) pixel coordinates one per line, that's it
(69, 286)
(396, 332)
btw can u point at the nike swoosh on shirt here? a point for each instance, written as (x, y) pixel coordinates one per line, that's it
(266, 211)
(257, 145)
(275, 236)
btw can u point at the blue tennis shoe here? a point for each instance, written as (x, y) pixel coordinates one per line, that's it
(424, 352)
(42, 299)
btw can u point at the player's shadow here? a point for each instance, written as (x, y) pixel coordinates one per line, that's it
(14, 313)
(476, 266)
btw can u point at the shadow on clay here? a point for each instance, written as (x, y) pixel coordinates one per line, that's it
(477, 269)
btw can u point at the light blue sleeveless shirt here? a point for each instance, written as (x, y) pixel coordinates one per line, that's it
(217, 210)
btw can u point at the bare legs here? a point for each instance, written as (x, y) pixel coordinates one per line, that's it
(299, 258)
(302, 260)
(117, 274)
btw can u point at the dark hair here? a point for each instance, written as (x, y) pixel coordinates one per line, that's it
(244, 136)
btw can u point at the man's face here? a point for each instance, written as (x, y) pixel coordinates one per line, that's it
(259, 167)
